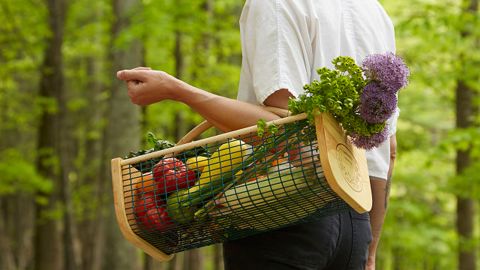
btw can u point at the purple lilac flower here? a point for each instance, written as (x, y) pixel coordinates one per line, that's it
(387, 69)
(376, 104)
(369, 142)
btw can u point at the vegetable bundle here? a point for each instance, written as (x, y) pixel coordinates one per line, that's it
(186, 196)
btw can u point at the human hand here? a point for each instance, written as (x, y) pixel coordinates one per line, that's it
(146, 86)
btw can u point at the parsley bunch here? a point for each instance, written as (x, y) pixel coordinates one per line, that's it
(360, 98)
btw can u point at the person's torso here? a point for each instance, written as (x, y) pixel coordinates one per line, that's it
(330, 28)
(284, 42)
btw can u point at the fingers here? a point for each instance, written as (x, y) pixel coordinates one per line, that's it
(132, 84)
(142, 68)
(134, 91)
(136, 79)
(137, 74)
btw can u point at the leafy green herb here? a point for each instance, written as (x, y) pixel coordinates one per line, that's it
(263, 128)
(337, 92)
(157, 145)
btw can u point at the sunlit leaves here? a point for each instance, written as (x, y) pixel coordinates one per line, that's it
(20, 176)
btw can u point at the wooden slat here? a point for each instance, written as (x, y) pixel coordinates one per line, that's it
(344, 165)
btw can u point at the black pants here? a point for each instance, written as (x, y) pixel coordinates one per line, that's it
(335, 242)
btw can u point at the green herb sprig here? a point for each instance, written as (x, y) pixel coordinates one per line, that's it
(337, 92)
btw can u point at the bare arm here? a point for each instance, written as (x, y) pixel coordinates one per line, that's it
(380, 192)
(146, 86)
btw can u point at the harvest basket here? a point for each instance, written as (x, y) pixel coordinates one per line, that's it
(238, 184)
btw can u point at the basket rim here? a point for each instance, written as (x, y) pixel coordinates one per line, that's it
(209, 140)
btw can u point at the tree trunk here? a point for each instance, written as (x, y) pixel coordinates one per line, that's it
(121, 135)
(151, 264)
(202, 47)
(398, 258)
(218, 257)
(49, 251)
(177, 51)
(466, 111)
(465, 206)
(177, 262)
(17, 231)
(192, 260)
(91, 227)
(68, 152)
(90, 171)
(7, 254)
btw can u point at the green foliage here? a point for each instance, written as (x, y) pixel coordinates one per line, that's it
(420, 225)
(18, 175)
(22, 34)
(337, 92)
(420, 212)
(263, 128)
(467, 183)
(210, 50)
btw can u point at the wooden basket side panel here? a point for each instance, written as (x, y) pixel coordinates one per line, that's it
(345, 166)
(119, 194)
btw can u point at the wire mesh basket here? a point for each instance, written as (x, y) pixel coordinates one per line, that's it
(237, 184)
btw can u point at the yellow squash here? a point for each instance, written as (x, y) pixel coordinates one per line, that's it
(228, 156)
(215, 175)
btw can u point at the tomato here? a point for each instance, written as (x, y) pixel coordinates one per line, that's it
(143, 203)
(150, 213)
(157, 219)
(171, 174)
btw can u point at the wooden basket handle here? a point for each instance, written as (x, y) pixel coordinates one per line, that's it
(205, 125)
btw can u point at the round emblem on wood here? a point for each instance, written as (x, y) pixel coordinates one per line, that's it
(348, 167)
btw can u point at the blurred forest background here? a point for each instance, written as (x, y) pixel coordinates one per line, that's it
(63, 116)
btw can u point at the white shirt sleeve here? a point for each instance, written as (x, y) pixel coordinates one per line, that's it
(275, 48)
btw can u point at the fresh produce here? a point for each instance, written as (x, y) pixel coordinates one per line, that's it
(157, 219)
(171, 174)
(274, 201)
(227, 156)
(231, 164)
(197, 163)
(218, 172)
(143, 202)
(145, 184)
(360, 98)
(150, 214)
(194, 152)
(157, 145)
(273, 187)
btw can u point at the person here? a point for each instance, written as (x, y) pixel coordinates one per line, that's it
(283, 43)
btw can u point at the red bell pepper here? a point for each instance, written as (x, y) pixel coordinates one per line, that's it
(171, 174)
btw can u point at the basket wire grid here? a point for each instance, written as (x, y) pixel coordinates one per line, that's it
(235, 187)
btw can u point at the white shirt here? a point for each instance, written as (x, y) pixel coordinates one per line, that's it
(284, 42)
